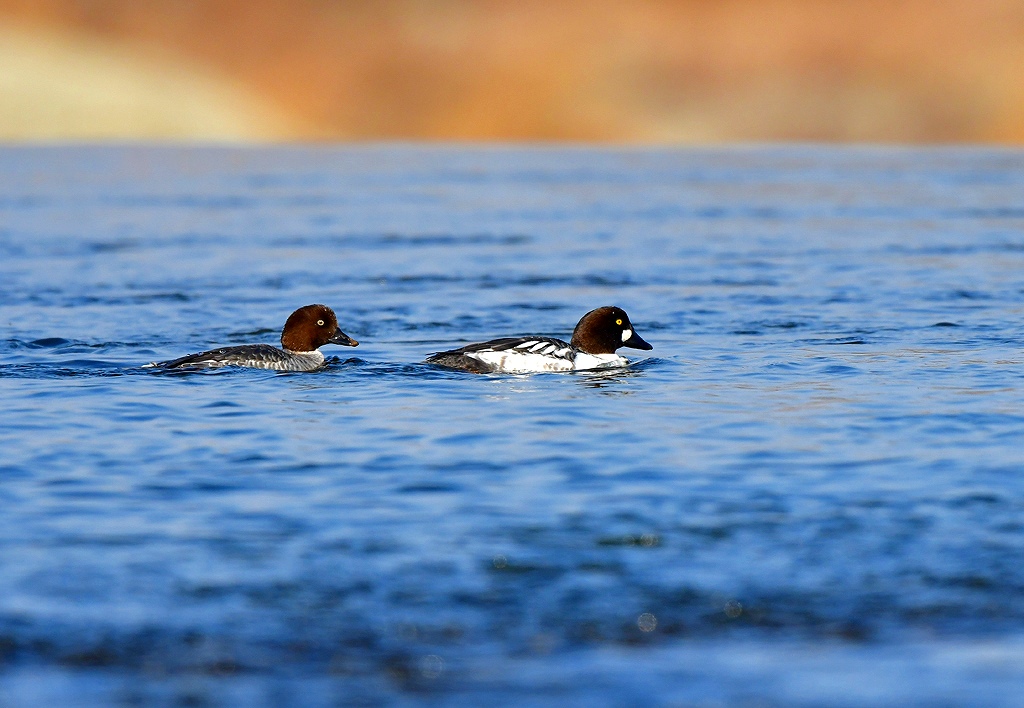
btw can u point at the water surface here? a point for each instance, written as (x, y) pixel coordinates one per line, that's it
(809, 493)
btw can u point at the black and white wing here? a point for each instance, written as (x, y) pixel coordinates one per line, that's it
(512, 354)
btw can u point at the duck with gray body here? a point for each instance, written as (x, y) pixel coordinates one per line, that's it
(306, 330)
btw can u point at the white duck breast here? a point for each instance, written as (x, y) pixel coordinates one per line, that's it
(586, 362)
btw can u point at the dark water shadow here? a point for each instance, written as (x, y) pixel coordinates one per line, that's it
(74, 368)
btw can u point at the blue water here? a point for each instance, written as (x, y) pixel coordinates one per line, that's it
(811, 492)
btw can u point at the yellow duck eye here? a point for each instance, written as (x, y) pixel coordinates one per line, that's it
(618, 322)
(321, 322)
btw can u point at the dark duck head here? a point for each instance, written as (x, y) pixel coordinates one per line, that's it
(311, 327)
(604, 330)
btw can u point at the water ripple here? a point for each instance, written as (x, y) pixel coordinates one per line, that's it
(806, 494)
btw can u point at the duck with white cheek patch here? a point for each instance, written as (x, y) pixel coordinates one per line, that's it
(593, 345)
(306, 330)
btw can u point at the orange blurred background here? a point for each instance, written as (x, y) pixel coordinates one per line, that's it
(647, 71)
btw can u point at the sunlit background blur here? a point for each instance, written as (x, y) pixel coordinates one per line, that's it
(642, 71)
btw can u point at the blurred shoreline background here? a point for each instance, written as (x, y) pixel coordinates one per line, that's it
(644, 72)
